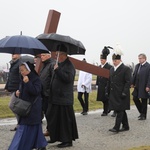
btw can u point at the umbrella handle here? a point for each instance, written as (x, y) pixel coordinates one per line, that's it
(57, 58)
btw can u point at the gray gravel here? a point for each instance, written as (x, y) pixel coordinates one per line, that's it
(93, 132)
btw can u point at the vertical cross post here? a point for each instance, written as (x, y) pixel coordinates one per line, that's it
(50, 27)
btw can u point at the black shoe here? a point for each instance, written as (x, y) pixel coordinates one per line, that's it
(49, 141)
(109, 111)
(13, 129)
(124, 129)
(84, 113)
(142, 118)
(113, 130)
(103, 114)
(64, 144)
(43, 148)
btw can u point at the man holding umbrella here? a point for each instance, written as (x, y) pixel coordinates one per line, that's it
(60, 114)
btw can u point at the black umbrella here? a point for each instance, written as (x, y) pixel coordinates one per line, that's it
(52, 40)
(27, 58)
(20, 44)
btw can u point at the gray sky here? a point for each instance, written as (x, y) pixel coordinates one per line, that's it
(96, 23)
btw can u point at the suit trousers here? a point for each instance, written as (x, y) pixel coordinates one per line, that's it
(105, 106)
(121, 118)
(141, 105)
(84, 102)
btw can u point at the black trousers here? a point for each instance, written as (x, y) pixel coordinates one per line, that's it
(141, 105)
(105, 106)
(84, 102)
(121, 118)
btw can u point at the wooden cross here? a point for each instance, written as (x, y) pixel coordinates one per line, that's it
(51, 27)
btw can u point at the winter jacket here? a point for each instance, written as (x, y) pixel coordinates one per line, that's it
(13, 81)
(61, 92)
(46, 75)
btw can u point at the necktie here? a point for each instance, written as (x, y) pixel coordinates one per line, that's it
(139, 68)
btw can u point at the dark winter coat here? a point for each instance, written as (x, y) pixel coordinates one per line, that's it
(30, 91)
(46, 75)
(119, 84)
(101, 82)
(13, 81)
(143, 82)
(62, 84)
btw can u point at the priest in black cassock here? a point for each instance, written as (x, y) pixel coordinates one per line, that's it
(60, 114)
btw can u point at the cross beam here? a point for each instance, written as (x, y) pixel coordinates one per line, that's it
(51, 27)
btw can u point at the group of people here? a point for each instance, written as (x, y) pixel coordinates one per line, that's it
(114, 91)
(53, 87)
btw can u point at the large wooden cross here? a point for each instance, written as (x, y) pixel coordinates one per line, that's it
(51, 27)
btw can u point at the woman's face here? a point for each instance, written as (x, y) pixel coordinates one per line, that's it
(23, 70)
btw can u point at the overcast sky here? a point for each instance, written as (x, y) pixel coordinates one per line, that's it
(96, 23)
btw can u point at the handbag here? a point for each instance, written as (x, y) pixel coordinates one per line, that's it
(20, 106)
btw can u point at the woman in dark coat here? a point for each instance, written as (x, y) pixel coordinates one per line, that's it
(119, 93)
(60, 114)
(29, 133)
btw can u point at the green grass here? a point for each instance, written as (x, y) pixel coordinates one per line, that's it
(93, 104)
(4, 109)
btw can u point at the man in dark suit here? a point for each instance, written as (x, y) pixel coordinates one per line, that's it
(119, 93)
(101, 82)
(141, 85)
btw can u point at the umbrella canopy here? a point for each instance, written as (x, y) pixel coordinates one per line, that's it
(20, 44)
(52, 40)
(27, 58)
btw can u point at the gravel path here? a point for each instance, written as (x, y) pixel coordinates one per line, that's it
(93, 132)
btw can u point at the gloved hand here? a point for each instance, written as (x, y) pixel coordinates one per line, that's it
(123, 95)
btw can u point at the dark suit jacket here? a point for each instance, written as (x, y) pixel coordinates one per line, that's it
(143, 80)
(102, 82)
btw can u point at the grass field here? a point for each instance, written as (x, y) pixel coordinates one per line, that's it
(93, 104)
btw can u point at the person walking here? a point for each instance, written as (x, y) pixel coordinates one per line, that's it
(12, 83)
(101, 82)
(60, 114)
(141, 85)
(46, 76)
(119, 92)
(84, 88)
(13, 80)
(29, 133)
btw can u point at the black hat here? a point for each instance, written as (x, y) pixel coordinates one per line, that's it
(105, 52)
(116, 57)
(62, 48)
